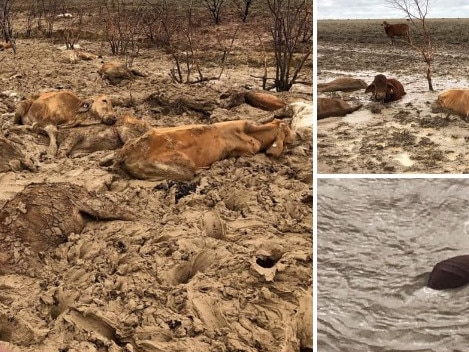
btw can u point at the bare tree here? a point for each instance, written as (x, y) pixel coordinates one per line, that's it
(5, 20)
(243, 7)
(290, 19)
(417, 11)
(215, 7)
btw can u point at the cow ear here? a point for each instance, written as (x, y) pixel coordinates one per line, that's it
(370, 88)
(85, 106)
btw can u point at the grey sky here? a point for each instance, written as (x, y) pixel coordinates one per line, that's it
(341, 9)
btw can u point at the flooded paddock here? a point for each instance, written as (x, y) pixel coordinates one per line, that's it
(378, 239)
(405, 136)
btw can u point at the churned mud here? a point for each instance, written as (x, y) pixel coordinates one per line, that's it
(223, 263)
(399, 137)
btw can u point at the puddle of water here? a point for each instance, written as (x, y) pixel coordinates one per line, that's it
(404, 159)
(359, 116)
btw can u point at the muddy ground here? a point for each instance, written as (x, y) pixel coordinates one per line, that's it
(399, 137)
(166, 281)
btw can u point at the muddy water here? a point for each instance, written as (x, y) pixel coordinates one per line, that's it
(377, 241)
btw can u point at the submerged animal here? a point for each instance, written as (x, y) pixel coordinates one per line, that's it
(385, 89)
(450, 273)
(177, 152)
(115, 72)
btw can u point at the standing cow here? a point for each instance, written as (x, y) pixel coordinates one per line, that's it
(396, 30)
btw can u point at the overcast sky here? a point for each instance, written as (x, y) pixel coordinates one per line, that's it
(341, 9)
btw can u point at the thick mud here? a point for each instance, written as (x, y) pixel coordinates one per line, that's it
(223, 263)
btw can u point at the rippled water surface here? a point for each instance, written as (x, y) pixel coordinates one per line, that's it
(377, 241)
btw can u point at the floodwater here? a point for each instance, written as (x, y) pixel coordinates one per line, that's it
(378, 239)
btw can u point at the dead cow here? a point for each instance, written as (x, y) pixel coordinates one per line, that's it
(334, 107)
(177, 152)
(264, 101)
(396, 30)
(456, 100)
(343, 84)
(88, 139)
(42, 216)
(385, 90)
(115, 72)
(73, 56)
(64, 108)
(12, 158)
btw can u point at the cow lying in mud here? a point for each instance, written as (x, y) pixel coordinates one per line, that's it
(63, 108)
(177, 152)
(42, 216)
(115, 72)
(396, 30)
(334, 107)
(385, 90)
(450, 273)
(81, 140)
(456, 100)
(343, 84)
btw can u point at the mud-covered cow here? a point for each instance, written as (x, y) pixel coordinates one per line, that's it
(385, 89)
(456, 100)
(334, 107)
(64, 107)
(177, 152)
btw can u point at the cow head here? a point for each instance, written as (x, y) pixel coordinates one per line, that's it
(380, 87)
(100, 107)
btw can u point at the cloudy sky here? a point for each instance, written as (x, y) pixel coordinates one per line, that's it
(340, 9)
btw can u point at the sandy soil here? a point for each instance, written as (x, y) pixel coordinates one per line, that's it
(399, 137)
(221, 264)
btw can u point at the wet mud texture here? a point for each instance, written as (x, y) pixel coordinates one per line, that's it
(223, 263)
(399, 137)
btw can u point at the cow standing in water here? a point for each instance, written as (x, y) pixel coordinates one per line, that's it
(397, 30)
(450, 273)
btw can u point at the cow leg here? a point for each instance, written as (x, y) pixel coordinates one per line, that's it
(52, 131)
(69, 144)
(267, 135)
(172, 165)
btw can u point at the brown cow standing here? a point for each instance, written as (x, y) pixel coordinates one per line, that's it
(385, 90)
(396, 30)
(177, 152)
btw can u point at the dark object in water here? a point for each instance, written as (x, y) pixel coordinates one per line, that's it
(450, 273)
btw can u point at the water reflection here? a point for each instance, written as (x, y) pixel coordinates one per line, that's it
(377, 241)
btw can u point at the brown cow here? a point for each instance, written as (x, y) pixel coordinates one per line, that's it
(385, 90)
(396, 30)
(115, 72)
(12, 158)
(264, 101)
(42, 216)
(334, 107)
(343, 84)
(456, 100)
(88, 139)
(63, 108)
(177, 152)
